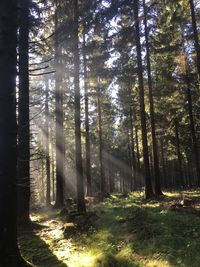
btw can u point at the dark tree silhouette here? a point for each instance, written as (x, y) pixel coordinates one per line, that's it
(148, 185)
(79, 164)
(196, 36)
(48, 191)
(59, 117)
(23, 116)
(9, 252)
(87, 127)
(152, 113)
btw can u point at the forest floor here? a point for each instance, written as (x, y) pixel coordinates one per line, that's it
(122, 231)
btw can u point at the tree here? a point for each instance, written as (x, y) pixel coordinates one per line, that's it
(99, 111)
(180, 182)
(59, 117)
(23, 116)
(79, 165)
(87, 126)
(192, 122)
(151, 102)
(10, 255)
(196, 37)
(148, 185)
(47, 116)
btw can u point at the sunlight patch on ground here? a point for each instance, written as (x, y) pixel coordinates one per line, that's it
(83, 260)
(158, 263)
(62, 248)
(129, 232)
(36, 217)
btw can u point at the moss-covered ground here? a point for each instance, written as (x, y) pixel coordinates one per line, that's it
(123, 231)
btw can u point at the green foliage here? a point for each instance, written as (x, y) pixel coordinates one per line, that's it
(109, 260)
(127, 232)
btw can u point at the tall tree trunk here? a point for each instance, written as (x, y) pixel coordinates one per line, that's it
(52, 168)
(42, 178)
(196, 38)
(102, 174)
(180, 182)
(163, 163)
(110, 173)
(9, 252)
(59, 121)
(133, 158)
(48, 191)
(23, 116)
(192, 127)
(130, 164)
(137, 147)
(148, 185)
(152, 113)
(87, 127)
(79, 164)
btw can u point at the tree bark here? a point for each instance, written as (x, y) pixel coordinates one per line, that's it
(87, 127)
(59, 121)
(152, 113)
(132, 150)
(23, 116)
(192, 128)
(163, 163)
(137, 147)
(148, 185)
(9, 252)
(196, 38)
(48, 191)
(52, 168)
(102, 174)
(79, 164)
(180, 182)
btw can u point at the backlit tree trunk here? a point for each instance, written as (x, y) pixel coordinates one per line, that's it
(151, 102)
(180, 182)
(148, 185)
(9, 252)
(59, 120)
(196, 37)
(23, 116)
(87, 129)
(102, 173)
(79, 164)
(48, 191)
(192, 128)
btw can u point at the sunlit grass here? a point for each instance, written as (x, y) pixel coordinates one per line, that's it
(157, 263)
(127, 233)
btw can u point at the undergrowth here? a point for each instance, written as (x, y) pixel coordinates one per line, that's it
(126, 232)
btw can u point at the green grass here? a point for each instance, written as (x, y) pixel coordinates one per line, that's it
(127, 233)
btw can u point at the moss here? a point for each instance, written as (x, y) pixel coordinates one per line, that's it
(126, 232)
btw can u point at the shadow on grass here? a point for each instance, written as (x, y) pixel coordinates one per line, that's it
(172, 235)
(35, 250)
(158, 231)
(109, 260)
(151, 232)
